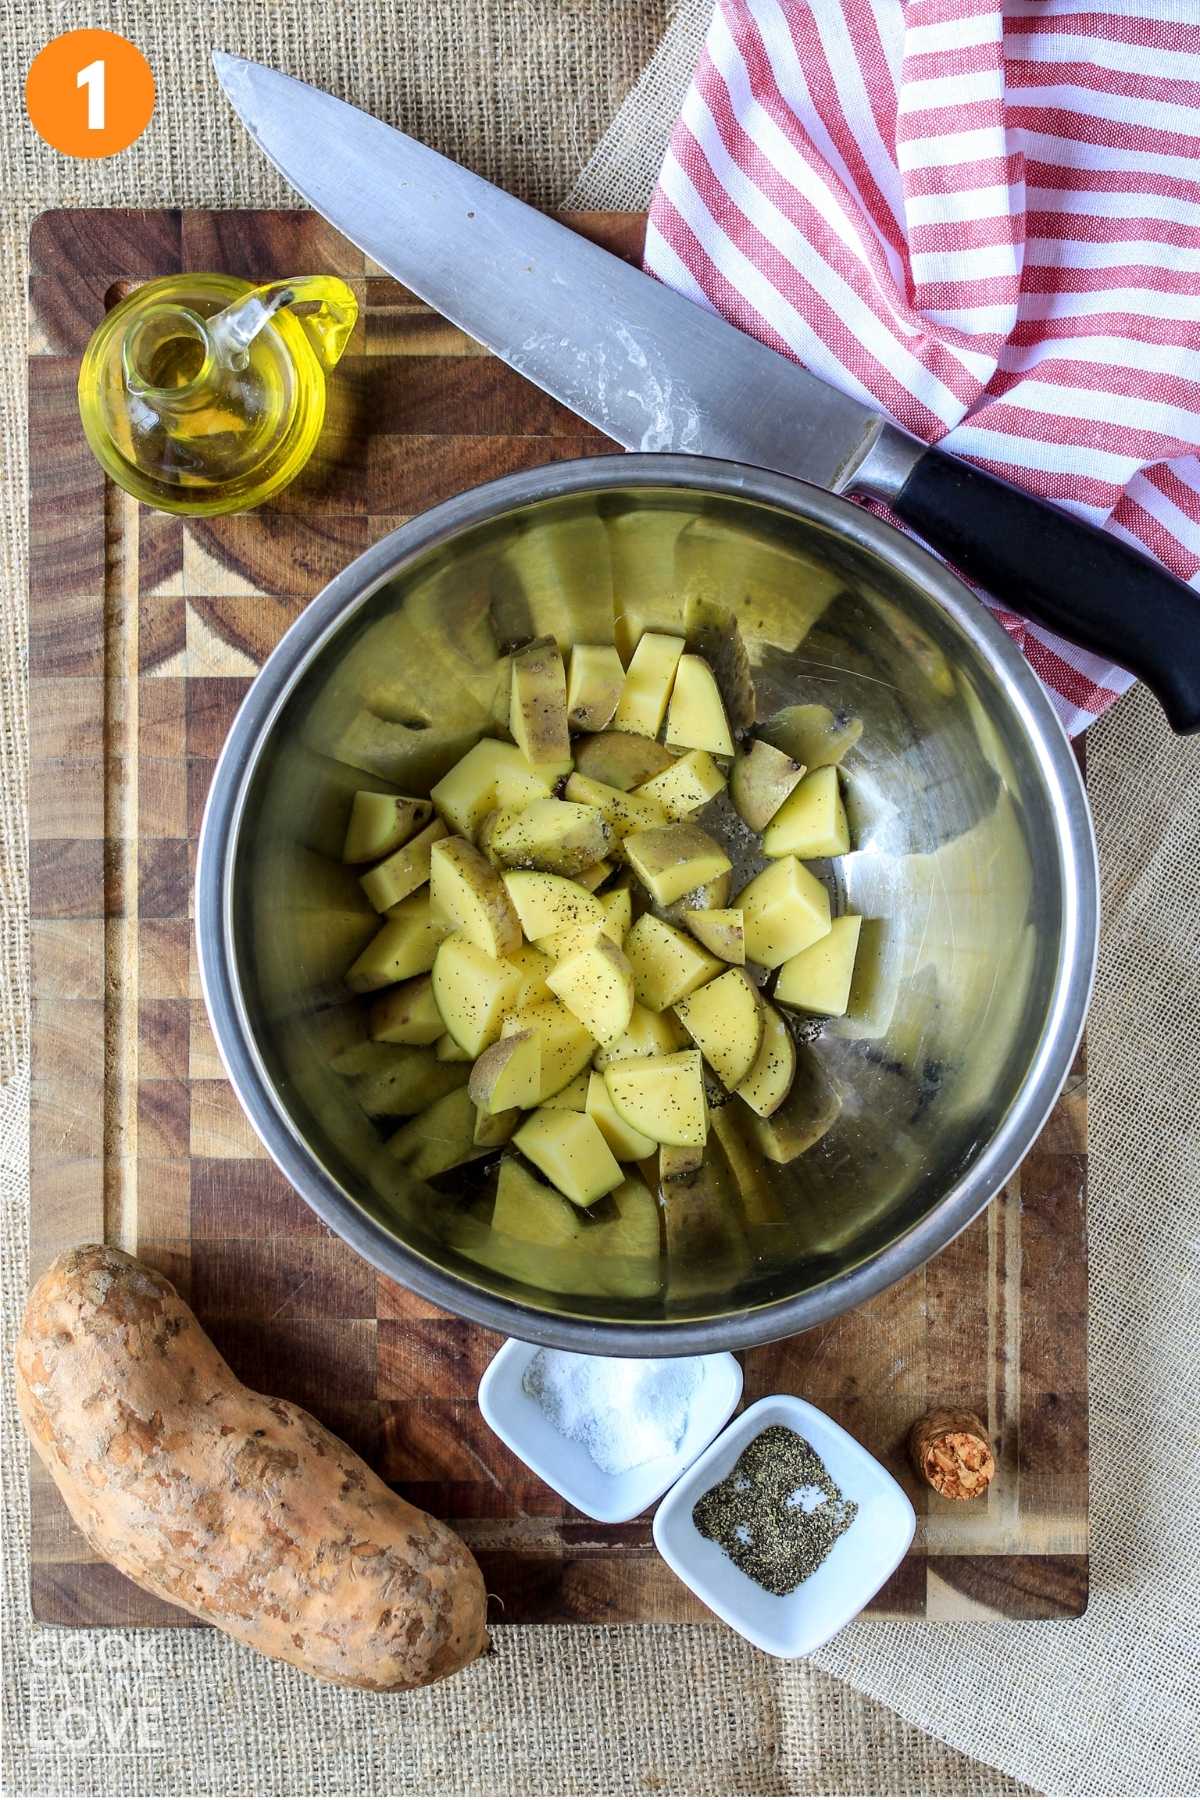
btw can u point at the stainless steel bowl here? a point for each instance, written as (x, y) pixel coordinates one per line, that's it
(974, 864)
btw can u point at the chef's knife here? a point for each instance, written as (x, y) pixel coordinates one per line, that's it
(657, 371)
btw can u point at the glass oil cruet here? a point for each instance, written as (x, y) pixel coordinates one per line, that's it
(202, 394)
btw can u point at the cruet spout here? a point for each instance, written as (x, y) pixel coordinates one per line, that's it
(324, 308)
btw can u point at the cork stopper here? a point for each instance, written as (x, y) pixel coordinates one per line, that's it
(951, 1452)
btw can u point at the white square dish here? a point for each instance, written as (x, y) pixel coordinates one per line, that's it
(566, 1466)
(857, 1566)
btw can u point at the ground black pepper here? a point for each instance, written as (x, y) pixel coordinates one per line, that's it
(778, 1513)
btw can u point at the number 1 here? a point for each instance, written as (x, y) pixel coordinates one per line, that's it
(92, 78)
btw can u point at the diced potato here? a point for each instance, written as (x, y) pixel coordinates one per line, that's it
(409, 1080)
(648, 682)
(624, 812)
(439, 1138)
(570, 1151)
(661, 1096)
(810, 1110)
(724, 1019)
(696, 719)
(706, 1249)
(666, 965)
(714, 633)
(812, 734)
(558, 835)
(473, 991)
(494, 1129)
(448, 1051)
(571, 939)
(766, 1087)
(678, 1162)
(566, 1047)
(785, 909)
(592, 877)
(720, 929)
(619, 760)
(408, 1014)
(686, 786)
(574, 1096)
(492, 826)
(508, 1074)
(626, 1144)
(710, 896)
(617, 906)
(381, 823)
(538, 704)
(530, 1211)
(545, 903)
(647, 1034)
(465, 889)
(596, 984)
(404, 871)
(762, 779)
(670, 860)
(405, 945)
(811, 821)
(818, 979)
(533, 969)
(594, 686)
(492, 774)
(624, 1252)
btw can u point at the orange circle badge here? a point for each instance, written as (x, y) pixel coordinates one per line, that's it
(89, 93)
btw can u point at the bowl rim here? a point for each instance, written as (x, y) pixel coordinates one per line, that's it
(224, 997)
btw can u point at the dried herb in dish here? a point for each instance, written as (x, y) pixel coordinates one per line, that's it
(778, 1513)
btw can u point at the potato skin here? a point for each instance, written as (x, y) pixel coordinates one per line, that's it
(240, 1508)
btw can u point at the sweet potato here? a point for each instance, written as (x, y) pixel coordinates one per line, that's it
(240, 1508)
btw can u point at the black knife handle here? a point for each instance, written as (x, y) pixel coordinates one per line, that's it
(1075, 579)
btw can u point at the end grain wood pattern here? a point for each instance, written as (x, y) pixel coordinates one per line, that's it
(145, 632)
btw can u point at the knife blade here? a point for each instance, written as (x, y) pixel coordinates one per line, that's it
(649, 368)
(658, 371)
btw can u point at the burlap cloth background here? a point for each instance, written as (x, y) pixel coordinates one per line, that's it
(524, 90)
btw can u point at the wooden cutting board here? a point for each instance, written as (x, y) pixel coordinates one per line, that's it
(145, 632)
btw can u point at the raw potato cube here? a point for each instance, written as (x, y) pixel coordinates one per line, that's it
(818, 979)
(696, 720)
(533, 969)
(405, 945)
(785, 910)
(815, 736)
(494, 1129)
(592, 877)
(661, 1096)
(411, 1079)
(594, 686)
(547, 903)
(528, 1210)
(648, 682)
(647, 1034)
(671, 860)
(473, 991)
(518, 782)
(381, 823)
(714, 633)
(447, 1051)
(811, 821)
(686, 786)
(465, 890)
(678, 1162)
(618, 913)
(724, 1019)
(574, 1096)
(571, 939)
(626, 1144)
(490, 775)
(557, 835)
(407, 1015)
(508, 1074)
(624, 812)
(710, 896)
(720, 929)
(570, 1151)
(766, 1087)
(706, 1247)
(566, 1047)
(493, 825)
(439, 1138)
(404, 871)
(810, 1110)
(762, 779)
(538, 703)
(625, 1250)
(666, 965)
(619, 760)
(596, 984)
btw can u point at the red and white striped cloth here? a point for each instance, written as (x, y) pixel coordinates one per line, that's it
(983, 217)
